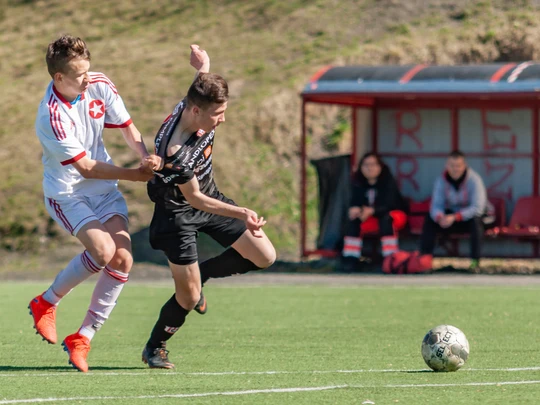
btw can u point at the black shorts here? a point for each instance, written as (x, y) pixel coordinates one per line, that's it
(176, 233)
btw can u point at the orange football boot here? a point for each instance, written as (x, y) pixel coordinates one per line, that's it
(77, 346)
(44, 314)
(201, 305)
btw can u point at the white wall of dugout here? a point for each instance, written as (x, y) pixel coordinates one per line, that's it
(414, 143)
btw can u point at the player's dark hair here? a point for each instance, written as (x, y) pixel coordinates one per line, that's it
(208, 89)
(358, 176)
(62, 51)
(373, 155)
(455, 154)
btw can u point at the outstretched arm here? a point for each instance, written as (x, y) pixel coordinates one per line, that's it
(95, 169)
(199, 59)
(133, 138)
(200, 201)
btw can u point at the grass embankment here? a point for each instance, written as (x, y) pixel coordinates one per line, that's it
(267, 50)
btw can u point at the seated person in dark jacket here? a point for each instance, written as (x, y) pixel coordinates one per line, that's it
(376, 207)
(459, 204)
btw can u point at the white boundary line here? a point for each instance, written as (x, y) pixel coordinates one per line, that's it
(263, 391)
(202, 394)
(146, 373)
(473, 384)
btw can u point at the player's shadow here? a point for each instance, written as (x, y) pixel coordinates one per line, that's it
(64, 368)
(417, 371)
(449, 269)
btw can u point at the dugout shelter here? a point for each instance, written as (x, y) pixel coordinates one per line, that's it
(413, 116)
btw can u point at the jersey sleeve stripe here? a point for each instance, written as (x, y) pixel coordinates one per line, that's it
(73, 159)
(94, 76)
(55, 121)
(52, 120)
(124, 125)
(102, 77)
(58, 123)
(113, 88)
(60, 214)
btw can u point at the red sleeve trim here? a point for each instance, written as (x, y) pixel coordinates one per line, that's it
(73, 159)
(124, 125)
(459, 217)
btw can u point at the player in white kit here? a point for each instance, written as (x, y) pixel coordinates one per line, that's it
(80, 188)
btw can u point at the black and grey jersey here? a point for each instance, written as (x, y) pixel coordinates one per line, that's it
(194, 158)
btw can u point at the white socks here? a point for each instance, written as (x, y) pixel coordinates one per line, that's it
(352, 246)
(78, 269)
(389, 245)
(106, 292)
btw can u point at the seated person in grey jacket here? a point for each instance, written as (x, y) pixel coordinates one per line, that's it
(459, 204)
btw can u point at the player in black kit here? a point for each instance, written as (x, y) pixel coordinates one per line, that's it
(187, 201)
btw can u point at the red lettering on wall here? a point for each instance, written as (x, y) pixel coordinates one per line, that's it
(504, 172)
(408, 131)
(402, 175)
(489, 133)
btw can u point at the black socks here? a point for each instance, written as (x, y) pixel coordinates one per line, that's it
(171, 318)
(226, 264)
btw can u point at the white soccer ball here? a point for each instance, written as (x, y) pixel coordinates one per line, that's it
(445, 348)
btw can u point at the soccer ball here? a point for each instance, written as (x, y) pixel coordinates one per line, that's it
(445, 348)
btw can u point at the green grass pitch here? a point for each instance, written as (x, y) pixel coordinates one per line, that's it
(281, 344)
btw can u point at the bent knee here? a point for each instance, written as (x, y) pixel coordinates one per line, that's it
(103, 252)
(189, 301)
(122, 260)
(267, 259)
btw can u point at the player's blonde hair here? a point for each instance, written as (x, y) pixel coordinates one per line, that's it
(62, 51)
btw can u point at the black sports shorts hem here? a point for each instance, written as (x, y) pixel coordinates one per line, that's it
(180, 243)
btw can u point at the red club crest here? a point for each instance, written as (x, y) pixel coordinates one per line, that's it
(96, 109)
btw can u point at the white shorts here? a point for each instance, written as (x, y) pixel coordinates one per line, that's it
(74, 211)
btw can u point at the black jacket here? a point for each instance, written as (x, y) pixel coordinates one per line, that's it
(387, 196)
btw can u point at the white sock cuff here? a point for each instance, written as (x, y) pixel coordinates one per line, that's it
(88, 332)
(116, 274)
(89, 263)
(51, 297)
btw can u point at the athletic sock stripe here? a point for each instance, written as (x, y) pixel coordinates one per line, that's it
(352, 241)
(351, 254)
(89, 263)
(117, 275)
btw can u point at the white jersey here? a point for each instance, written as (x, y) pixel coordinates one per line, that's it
(70, 132)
